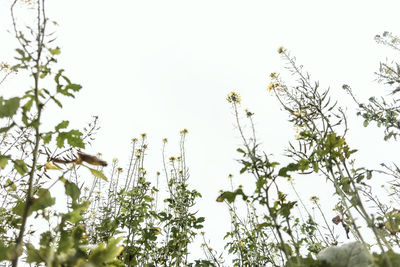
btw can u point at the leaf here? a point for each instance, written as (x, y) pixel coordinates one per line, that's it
(33, 255)
(240, 151)
(98, 174)
(5, 251)
(62, 125)
(42, 201)
(73, 137)
(55, 51)
(72, 190)
(9, 107)
(3, 161)
(348, 255)
(49, 166)
(7, 128)
(47, 137)
(289, 168)
(20, 166)
(231, 196)
(106, 253)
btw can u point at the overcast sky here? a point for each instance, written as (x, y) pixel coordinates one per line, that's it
(161, 66)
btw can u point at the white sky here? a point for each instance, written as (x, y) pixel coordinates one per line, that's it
(161, 66)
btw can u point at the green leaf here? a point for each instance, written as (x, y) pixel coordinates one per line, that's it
(33, 255)
(231, 196)
(7, 128)
(20, 166)
(74, 87)
(73, 137)
(97, 173)
(3, 161)
(8, 108)
(240, 151)
(348, 255)
(72, 190)
(5, 251)
(43, 200)
(365, 123)
(289, 168)
(47, 137)
(62, 125)
(106, 253)
(55, 51)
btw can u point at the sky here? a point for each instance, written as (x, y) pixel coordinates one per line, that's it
(159, 66)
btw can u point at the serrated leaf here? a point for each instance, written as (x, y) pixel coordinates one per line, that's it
(61, 125)
(9, 107)
(105, 253)
(231, 196)
(73, 137)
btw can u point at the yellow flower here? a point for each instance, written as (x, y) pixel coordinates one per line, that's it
(165, 140)
(233, 98)
(270, 87)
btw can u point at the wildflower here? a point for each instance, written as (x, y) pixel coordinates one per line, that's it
(158, 173)
(165, 140)
(142, 170)
(230, 176)
(273, 75)
(5, 66)
(184, 131)
(143, 135)
(234, 98)
(138, 153)
(281, 50)
(172, 159)
(270, 87)
(297, 112)
(314, 199)
(134, 140)
(115, 160)
(120, 170)
(248, 113)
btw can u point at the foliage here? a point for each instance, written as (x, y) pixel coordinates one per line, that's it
(115, 219)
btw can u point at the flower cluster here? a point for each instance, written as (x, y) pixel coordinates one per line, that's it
(234, 98)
